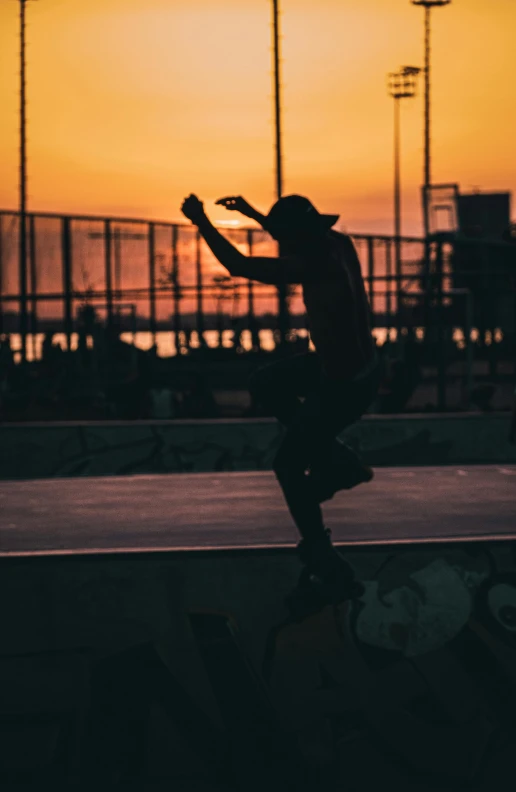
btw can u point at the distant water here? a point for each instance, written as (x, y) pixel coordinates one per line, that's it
(166, 340)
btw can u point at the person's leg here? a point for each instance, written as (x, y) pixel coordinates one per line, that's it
(338, 466)
(306, 436)
(278, 386)
(291, 461)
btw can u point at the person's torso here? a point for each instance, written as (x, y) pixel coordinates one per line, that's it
(338, 311)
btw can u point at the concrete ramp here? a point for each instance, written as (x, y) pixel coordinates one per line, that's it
(130, 666)
(246, 509)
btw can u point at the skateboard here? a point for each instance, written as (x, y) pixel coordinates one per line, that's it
(311, 594)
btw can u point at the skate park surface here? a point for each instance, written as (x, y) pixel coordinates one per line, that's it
(146, 640)
(246, 509)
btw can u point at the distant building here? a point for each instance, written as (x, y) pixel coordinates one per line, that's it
(483, 259)
(484, 215)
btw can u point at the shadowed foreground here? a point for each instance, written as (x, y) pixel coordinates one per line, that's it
(183, 669)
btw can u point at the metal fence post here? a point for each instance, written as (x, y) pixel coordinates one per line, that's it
(175, 290)
(66, 254)
(117, 281)
(399, 291)
(152, 280)
(441, 357)
(388, 282)
(370, 271)
(22, 265)
(199, 287)
(33, 281)
(399, 244)
(108, 274)
(255, 338)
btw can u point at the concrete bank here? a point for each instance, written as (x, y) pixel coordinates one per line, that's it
(29, 450)
(193, 649)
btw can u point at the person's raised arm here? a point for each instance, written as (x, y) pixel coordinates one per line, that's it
(236, 203)
(287, 269)
(228, 255)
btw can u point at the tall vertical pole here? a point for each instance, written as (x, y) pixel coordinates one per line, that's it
(427, 181)
(175, 287)
(397, 181)
(108, 272)
(152, 282)
(251, 318)
(402, 84)
(199, 291)
(33, 282)
(282, 291)
(427, 286)
(66, 257)
(427, 176)
(427, 173)
(23, 192)
(277, 99)
(118, 261)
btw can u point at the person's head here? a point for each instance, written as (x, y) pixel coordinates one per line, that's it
(295, 222)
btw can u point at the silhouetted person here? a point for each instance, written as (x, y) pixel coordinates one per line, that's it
(405, 376)
(53, 371)
(338, 383)
(125, 382)
(51, 351)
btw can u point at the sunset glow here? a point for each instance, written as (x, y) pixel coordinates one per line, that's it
(133, 105)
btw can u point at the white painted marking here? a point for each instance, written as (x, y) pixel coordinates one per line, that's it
(462, 472)
(507, 471)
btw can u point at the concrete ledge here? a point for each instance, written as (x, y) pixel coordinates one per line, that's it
(44, 450)
(152, 661)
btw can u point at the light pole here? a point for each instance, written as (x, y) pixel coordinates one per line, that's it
(401, 85)
(22, 252)
(283, 317)
(277, 98)
(427, 5)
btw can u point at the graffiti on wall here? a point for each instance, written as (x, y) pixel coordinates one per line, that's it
(412, 687)
(151, 447)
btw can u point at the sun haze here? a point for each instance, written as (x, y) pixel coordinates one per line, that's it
(133, 105)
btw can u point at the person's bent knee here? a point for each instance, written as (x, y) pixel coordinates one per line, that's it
(286, 465)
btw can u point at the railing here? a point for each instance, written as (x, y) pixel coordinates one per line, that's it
(164, 268)
(167, 278)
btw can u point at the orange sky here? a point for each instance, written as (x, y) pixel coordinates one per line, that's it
(132, 104)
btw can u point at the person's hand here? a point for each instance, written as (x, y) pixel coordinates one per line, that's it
(193, 208)
(237, 204)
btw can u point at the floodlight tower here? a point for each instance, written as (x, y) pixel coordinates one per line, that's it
(401, 85)
(22, 258)
(427, 5)
(283, 316)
